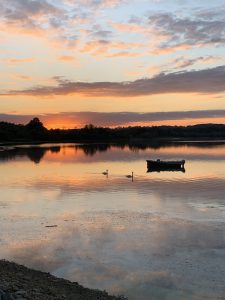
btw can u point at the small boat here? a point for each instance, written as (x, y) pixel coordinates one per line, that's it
(162, 165)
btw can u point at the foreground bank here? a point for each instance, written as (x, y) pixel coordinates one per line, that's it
(21, 283)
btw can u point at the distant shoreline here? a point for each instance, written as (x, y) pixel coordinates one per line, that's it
(125, 142)
(20, 282)
(35, 132)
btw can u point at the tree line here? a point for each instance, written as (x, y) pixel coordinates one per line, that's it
(35, 131)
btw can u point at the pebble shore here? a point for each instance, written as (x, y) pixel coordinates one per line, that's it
(20, 283)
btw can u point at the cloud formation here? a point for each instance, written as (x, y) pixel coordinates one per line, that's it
(201, 29)
(160, 32)
(100, 44)
(208, 81)
(26, 13)
(81, 26)
(56, 20)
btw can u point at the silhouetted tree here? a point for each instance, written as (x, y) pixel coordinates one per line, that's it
(36, 129)
(35, 124)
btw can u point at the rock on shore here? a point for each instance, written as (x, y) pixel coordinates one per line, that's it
(21, 283)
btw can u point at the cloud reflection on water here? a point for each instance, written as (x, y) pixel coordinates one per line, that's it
(122, 251)
(163, 234)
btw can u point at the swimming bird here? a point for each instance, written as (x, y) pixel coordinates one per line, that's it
(105, 172)
(130, 176)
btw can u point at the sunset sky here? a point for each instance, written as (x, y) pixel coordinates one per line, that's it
(112, 62)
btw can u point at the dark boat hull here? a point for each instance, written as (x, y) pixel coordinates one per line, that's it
(159, 165)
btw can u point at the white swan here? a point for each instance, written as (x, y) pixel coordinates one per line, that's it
(130, 176)
(105, 172)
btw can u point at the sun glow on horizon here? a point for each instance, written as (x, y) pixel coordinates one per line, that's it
(115, 56)
(64, 124)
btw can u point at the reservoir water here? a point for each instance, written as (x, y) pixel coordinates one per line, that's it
(160, 236)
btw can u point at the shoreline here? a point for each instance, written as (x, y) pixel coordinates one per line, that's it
(21, 283)
(111, 142)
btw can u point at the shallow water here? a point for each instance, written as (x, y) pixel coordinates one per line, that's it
(161, 236)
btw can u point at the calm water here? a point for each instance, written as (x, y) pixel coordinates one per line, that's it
(161, 236)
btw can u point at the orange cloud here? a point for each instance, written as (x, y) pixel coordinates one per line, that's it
(54, 36)
(127, 27)
(19, 60)
(66, 58)
(124, 54)
(103, 47)
(169, 49)
(23, 77)
(16, 29)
